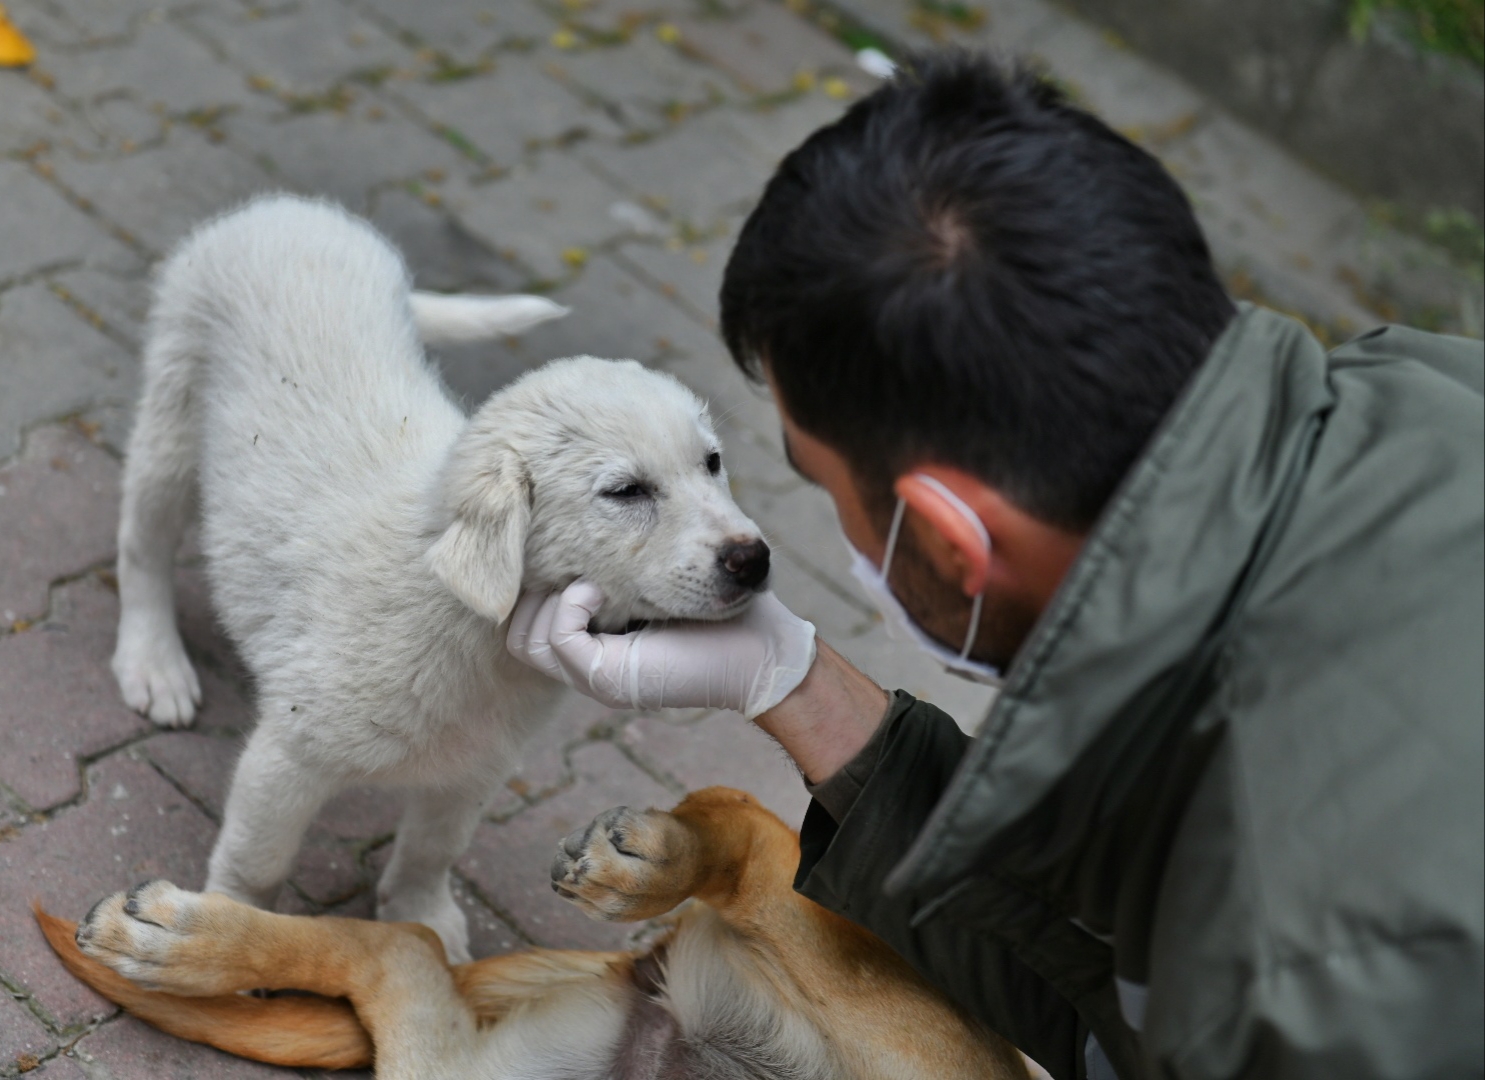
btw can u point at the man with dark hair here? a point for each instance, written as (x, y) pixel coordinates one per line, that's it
(1225, 817)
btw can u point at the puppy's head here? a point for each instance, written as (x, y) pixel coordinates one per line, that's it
(602, 470)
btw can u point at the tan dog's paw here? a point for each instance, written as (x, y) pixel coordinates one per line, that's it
(146, 935)
(626, 865)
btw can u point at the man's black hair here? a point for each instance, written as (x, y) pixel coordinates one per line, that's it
(967, 270)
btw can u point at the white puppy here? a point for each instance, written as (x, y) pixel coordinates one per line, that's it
(365, 540)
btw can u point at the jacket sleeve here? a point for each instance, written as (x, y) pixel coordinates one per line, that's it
(844, 864)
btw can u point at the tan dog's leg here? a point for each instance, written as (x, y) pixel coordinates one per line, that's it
(208, 945)
(722, 847)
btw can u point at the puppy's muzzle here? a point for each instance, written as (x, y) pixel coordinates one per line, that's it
(744, 563)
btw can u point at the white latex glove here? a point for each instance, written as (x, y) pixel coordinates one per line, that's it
(750, 663)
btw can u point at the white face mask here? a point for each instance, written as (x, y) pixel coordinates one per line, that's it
(874, 581)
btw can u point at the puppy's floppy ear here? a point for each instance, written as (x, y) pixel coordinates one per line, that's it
(480, 555)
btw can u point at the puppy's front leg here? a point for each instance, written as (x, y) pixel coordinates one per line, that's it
(274, 797)
(435, 830)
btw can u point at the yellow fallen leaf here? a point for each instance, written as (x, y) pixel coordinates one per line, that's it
(836, 88)
(668, 33)
(564, 39)
(15, 50)
(804, 80)
(575, 257)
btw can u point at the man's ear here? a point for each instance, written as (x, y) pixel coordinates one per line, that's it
(481, 554)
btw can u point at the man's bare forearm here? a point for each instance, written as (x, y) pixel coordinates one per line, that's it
(829, 717)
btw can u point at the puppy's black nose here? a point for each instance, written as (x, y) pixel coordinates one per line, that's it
(745, 563)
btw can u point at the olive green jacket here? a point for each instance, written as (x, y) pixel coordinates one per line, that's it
(1228, 813)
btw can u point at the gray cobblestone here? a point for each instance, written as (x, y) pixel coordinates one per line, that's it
(157, 195)
(162, 66)
(32, 117)
(441, 252)
(542, 214)
(43, 229)
(648, 84)
(302, 49)
(58, 514)
(344, 153)
(81, 368)
(466, 29)
(505, 114)
(21, 1035)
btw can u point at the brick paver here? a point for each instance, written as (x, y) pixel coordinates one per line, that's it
(604, 151)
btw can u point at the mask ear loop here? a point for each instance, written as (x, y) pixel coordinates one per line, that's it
(973, 518)
(892, 536)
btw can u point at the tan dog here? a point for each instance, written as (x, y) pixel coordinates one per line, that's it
(754, 981)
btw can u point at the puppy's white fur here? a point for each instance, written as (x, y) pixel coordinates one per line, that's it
(365, 540)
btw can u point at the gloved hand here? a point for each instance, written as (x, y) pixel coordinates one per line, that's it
(750, 663)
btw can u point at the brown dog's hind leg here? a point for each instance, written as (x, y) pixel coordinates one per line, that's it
(196, 944)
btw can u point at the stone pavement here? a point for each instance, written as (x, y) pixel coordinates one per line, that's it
(604, 151)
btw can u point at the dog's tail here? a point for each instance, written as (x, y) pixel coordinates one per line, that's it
(449, 320)
(307, 1032)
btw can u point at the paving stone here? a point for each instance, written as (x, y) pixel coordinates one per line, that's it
(624, 19)
(41, 227)
(29, 117)
(135, 827)
(544, 760)
(64, 1067)
(700, 174)
(120, 301)
(539, 213)
(83, 368)
(159, 194)
(130, 1048)
(725, 749)
(305, 49)
(612, 317)
(505, 113)
(20, 1033)
(60, 702)
(340, 154)
(43, 26)
(1121, 88)
(124, 124)
(466, 29)
(647, 84)
(161, 66)
(511, 862)
(773, 130)
(58, 516)
(691, 273)
(442, 254)
(100, 20)
(768, 46)
(1008, 26)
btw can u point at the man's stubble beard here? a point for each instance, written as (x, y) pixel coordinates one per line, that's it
(941, 608)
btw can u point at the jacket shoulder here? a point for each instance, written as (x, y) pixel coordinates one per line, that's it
(1462, 360)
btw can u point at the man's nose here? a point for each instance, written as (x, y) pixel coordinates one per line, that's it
(745, 562)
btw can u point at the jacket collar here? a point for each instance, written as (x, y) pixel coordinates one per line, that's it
(1156, 577)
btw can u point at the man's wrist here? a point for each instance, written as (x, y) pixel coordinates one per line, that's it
(829, 717)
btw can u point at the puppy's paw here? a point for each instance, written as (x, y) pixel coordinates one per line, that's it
(155, 676)
(436, 909)
(148, 934)
(626, 865)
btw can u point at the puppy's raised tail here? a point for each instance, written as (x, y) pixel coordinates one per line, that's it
(449, 320)
(307, 1032)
